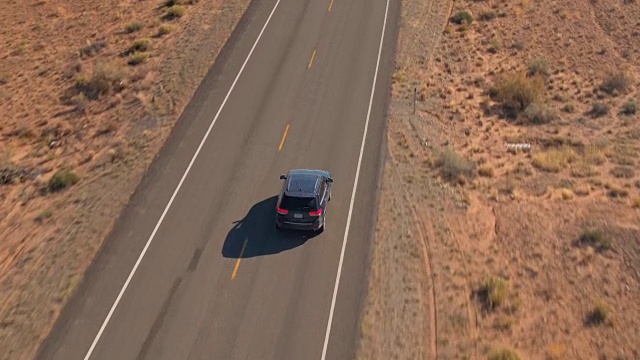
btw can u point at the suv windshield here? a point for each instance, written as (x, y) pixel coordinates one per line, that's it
(298, 203)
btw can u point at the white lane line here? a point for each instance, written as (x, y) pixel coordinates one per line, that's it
(353, 194)
(175, 192)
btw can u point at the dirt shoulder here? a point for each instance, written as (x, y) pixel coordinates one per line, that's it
(85, 113)
(509, 219)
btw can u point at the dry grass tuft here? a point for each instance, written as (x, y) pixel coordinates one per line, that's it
(503, 354)
(567, 194)
(139, 45)
(138, 58)
(174, 12)
(166, 29)
(555, 159)
(133, 27)
(485, 171)
(623, 172)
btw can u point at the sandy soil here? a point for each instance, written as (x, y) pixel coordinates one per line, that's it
(510, 228)
(72, 100)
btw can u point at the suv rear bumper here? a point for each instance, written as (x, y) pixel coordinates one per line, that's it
(305, 226)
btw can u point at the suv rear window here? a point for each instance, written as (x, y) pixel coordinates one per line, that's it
(298, 203)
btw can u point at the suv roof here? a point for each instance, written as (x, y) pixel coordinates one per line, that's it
(302, 183)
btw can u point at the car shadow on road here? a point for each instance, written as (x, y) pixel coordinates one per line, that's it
(258, 230)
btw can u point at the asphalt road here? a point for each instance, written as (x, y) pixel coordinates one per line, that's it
(293, 88)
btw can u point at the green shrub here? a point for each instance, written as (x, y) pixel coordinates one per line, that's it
(462, 17)
(63, 179)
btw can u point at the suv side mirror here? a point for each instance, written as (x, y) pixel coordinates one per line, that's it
(329, 180)
(283, 177)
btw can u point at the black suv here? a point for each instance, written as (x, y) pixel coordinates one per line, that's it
(302, 202)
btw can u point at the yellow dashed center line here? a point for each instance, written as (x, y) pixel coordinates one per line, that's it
(331, 5)
(235, 270)
(284, 136)
(313, 56)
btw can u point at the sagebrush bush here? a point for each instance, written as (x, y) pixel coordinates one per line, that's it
(487, 15)
(517, 91)
(106, 76)
(539, 66)
(595, 238)
(537, 114)
(599, 109)
(615, 82)
(493, 292)
(62, 179)
(454, 165)
(462, 17)
(630, 107)
(599, 315)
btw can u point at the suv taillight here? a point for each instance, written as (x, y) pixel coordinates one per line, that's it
(315, 213)
(282, 211)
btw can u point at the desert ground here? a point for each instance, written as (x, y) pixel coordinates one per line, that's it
(89, 91)
(509, 219)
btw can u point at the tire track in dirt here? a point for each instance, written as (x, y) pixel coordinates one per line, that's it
(426, 250)
(471, 313)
